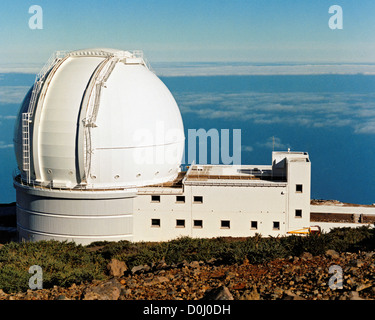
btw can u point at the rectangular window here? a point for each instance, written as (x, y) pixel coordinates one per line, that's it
(298, 213)
(198, 223)
(276, 225)
(198, 199)
(254, 225)
(155, 223)
(225, 224)
(155, 198)
(299, 188)
(180, 223)
(180, 199)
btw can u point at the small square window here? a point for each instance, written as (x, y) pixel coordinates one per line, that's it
(155, 198)
(225, 224)
(298, 213)
(198, 199)
(198, 223)
(254, 225)
(276, 225)
(180, 223)
(299, 188)
(155, 223)
(180, 199)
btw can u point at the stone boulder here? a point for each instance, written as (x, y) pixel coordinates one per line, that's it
(107, 290)
(220, 293)
(332, 254)
(116, 268)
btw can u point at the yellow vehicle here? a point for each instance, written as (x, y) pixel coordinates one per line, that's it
(305, 231)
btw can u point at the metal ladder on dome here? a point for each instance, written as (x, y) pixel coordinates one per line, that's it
(100, 82)
(26, 144)
(27, 116)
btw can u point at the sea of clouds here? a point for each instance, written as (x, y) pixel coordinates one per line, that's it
(243, 68)
(309, 109)
(355, 111)
(181, 69)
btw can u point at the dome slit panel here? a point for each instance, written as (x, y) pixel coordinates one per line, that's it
(65, 94)
(91, 102)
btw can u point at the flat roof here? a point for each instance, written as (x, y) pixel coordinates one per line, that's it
(227, 172)
(231, 175)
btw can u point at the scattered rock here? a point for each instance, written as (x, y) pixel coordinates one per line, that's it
(218, 275)
(354, 295)
(304, 278)
(363, 286)
(220, 293)
(357, 263)
(253, 295)
(211, 261)
(140, 268)
(161, 279)
(126, 292)
(116, 268)
(306, 256)
(183, 264)
(109, 290)
(289, 295)
(239, 286)
(161, 265)
(332, 254)
(62, 297)
(194, 264)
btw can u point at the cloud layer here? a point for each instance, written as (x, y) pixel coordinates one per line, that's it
(356, 111)
(180, 69)
(243, 68)
(4, 145)
(13, 94)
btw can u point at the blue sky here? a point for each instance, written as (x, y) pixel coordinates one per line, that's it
(210, 30)
(215, 37)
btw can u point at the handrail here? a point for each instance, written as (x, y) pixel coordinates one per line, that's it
(53, 59)
(84, 188)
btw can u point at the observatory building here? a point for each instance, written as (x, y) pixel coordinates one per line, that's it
(99, 141)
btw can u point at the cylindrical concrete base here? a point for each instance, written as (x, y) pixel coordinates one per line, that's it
(82, 216)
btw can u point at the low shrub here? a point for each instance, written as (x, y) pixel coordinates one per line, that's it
(62, 263)
(352, 239)
(66, 263)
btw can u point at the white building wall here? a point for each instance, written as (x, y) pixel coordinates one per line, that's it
(298, 175)
(70, 215)
(167, 211)
(264, 207)
(238, 205)
(347, 209)
(328, 226)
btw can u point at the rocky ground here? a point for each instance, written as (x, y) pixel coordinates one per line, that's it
(296, 278)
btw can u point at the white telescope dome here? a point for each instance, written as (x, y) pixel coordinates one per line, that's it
(98, 118)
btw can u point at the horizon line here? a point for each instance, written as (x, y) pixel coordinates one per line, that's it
(229, 68)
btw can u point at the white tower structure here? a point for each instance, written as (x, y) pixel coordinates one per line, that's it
(96, 125)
